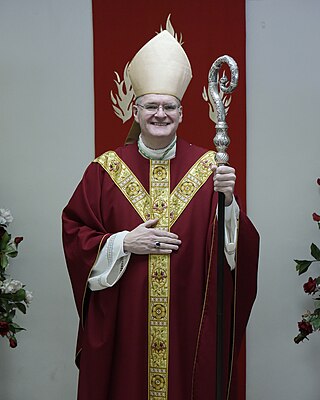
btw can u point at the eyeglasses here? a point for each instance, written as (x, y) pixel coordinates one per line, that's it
(154, 108)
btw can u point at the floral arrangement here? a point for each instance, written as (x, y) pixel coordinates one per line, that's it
(13, 295)
(311, 319)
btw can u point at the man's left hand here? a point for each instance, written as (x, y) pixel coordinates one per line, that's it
(224, 179)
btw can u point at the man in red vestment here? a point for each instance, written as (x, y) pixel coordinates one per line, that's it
(140, 241)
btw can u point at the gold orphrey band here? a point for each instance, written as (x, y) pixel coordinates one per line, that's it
(159, 286)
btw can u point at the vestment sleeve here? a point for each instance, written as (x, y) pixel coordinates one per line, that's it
(83, 231)
(231, 232)
(111, 263)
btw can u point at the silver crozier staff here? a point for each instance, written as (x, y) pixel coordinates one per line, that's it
(221, 141)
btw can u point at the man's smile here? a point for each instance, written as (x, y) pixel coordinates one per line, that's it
(160, 123)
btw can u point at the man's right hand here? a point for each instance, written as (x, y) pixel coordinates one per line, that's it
(145, 239)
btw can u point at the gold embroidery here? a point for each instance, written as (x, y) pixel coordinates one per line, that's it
(167, 208)
(141, 201)
(190, 184)
(159, 294)
(127, 182)
(159, 286)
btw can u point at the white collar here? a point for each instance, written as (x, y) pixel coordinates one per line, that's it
(167, 153)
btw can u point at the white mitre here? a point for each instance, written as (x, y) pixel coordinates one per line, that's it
(161, 66)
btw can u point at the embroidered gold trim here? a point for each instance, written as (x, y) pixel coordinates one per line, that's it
(190, 184)
(127, 182)
(139, 198)
(159, 286)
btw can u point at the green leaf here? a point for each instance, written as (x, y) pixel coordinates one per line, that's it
(12, 329)
(11, 250)
(5, 296)
(10, 247)
(12, 254)
(21, 307)
(316, 323)
(5, 304)
(4, 240)
(4, 261)
(302, 266)
(15, 328)
(315, 252)
(20, 329)
(20, 295)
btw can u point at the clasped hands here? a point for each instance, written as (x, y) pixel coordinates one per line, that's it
(146, 239)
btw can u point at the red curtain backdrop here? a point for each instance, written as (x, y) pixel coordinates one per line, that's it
(209, 29)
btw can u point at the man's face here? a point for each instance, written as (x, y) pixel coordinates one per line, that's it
(158, 126)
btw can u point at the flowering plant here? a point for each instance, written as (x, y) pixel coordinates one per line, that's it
(311, 319)
(13, 295)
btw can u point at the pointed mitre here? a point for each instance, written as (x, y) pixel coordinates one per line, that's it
(161, 66)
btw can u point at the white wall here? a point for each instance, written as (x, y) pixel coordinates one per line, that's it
(46, 125)
(283, 59)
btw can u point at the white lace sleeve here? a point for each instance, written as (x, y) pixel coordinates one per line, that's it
(111, 263)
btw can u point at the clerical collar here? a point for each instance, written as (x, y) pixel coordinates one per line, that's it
(167, 153)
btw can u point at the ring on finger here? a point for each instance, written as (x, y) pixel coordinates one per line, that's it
(157, 245)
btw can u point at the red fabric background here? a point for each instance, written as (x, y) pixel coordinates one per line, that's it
(210, 28)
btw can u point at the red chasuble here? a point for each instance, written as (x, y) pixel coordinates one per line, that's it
(112, 348)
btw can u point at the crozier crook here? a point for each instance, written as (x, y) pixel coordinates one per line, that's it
(221, 140)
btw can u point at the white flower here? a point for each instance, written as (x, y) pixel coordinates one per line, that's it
(11, 286)
(4, 286)
(29, 297)
(5, 217)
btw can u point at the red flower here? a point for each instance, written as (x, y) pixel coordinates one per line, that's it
(4, 328)
(316, 217)
(13, 342)
(318, 181)
(310, 286)
(305, 327)
(18, 240)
